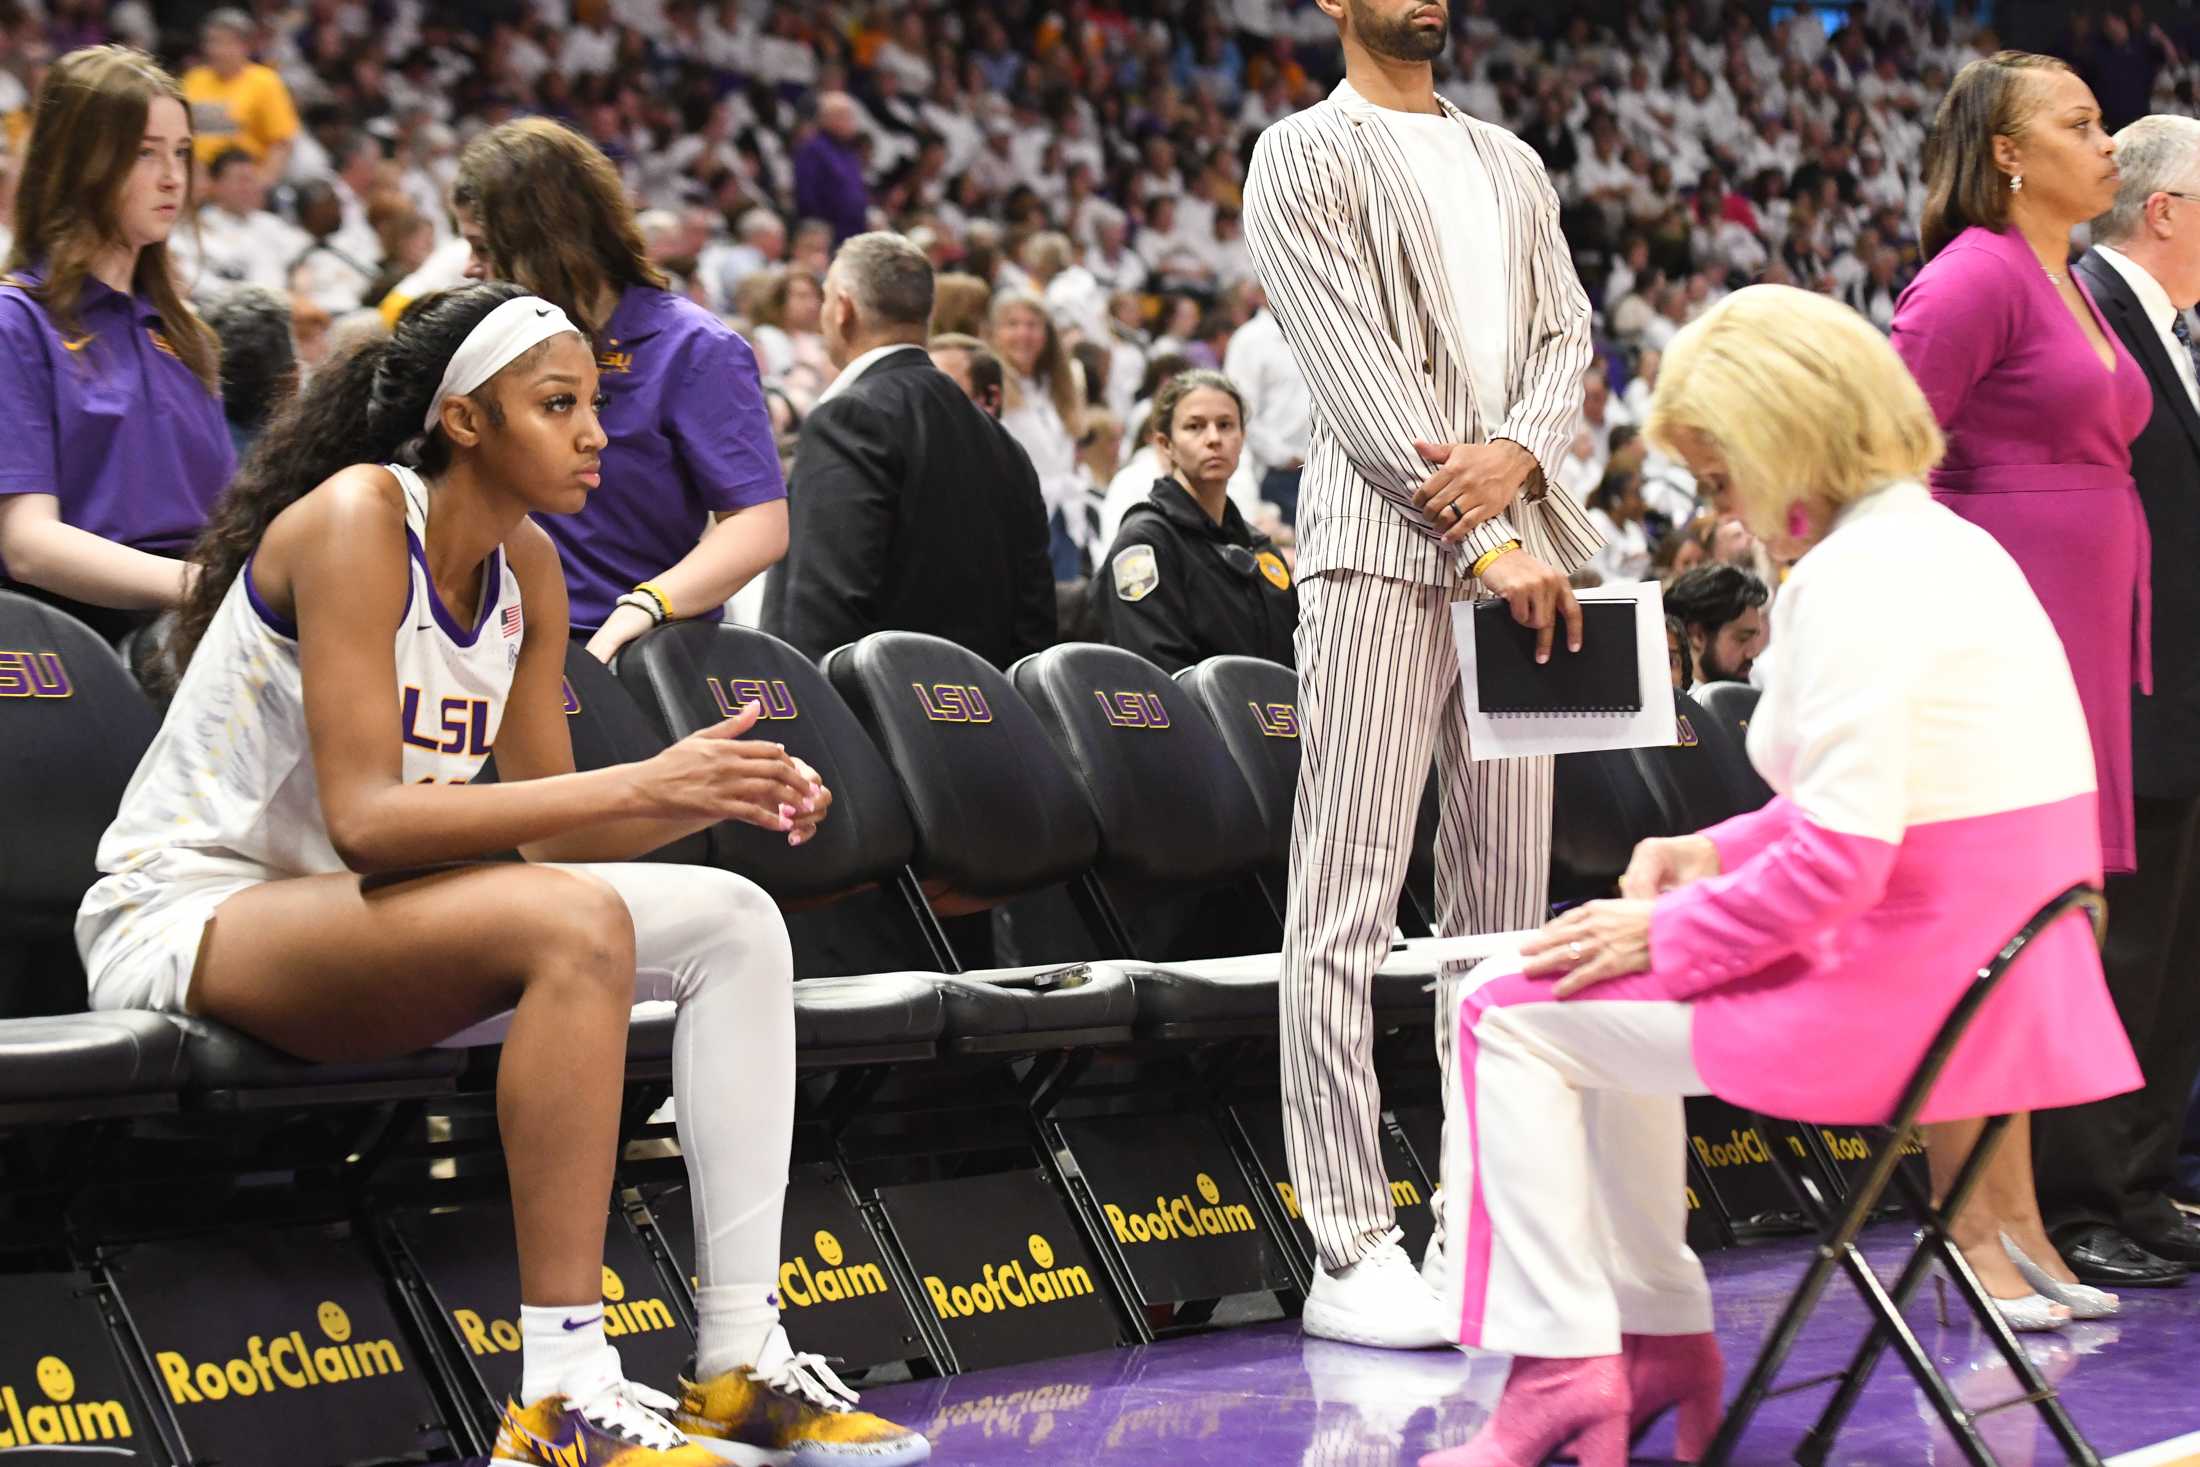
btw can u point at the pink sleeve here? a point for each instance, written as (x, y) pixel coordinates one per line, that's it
(1743, 836)
(1954, 323)
(1803, 880)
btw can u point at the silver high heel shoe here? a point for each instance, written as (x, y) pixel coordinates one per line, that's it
(2083, 1300)
(2032, 1314)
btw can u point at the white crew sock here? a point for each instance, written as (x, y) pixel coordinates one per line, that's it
(563, 1351)
(733, 1323)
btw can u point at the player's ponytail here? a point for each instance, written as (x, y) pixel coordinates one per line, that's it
(364, 408)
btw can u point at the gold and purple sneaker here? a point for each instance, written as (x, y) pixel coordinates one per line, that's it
(790, 1410)
(617, 1426)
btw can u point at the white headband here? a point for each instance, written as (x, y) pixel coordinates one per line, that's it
(501, 337)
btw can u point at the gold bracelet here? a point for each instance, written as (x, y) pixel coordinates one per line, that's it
(664, 603)
(1489, 557)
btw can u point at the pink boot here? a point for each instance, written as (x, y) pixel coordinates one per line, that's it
(1549, 1404)
(1665, 1371)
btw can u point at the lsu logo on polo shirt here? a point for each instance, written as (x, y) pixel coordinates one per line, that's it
(58, 1418)
(285, 1363)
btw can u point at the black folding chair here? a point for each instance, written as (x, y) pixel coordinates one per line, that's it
(1837, 1234)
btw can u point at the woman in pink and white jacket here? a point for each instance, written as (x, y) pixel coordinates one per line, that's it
(1935, 786)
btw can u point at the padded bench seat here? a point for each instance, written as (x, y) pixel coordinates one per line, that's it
(232, 1071)
(874, 1016)
(117, 1062)
(1001, 1010)
(1218, 996)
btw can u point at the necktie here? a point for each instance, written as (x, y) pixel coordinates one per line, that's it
(2183, 333)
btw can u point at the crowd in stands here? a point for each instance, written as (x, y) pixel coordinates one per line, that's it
(1074, 175)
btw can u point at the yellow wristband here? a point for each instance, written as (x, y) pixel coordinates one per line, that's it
(664, 604)
(1489, 557)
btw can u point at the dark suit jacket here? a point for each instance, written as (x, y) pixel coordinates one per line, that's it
(910, 509)
(2165, 460)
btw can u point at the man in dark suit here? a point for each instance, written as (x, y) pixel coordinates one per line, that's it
(910, 509)
(2104, 1170)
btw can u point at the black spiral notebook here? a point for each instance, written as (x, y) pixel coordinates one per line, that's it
(1603, 677)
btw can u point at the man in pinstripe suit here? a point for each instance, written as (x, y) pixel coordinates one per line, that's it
(1413, 258)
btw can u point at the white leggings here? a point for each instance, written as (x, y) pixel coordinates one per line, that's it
(1565, 1166)
(714, 944)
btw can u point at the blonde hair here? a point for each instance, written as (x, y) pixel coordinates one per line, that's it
(1803, 397)
(1056, 373)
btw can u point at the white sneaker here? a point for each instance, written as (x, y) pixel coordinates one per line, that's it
(1379, 1301)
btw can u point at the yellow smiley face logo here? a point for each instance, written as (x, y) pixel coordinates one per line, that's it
(1042, 1253)
(613, 1289)
(335, 1323)
(1209, 1190)
(55, 1378)
(828, 1248)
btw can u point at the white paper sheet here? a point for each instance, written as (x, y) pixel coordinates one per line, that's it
(1513, 735)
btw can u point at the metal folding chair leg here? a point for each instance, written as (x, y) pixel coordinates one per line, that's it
(1837, 1249)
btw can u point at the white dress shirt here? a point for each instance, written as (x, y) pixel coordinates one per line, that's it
(1469, 222)
(1278, 409)
(858, 367)
(2155, 302)
(1036, 424)
(228, 250)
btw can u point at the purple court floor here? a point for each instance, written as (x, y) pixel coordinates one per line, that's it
(1263, 1394)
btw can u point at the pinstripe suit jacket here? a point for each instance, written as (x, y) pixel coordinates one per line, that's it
(1348, 253)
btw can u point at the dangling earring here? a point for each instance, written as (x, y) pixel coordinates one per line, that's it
(2016, 183)
(1798, 523)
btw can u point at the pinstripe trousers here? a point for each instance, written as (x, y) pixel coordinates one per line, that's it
(1378, 696)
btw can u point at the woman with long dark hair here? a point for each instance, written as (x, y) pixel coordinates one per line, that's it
(300, 856)
(2039, 402)
(115, 446)
(693, 504)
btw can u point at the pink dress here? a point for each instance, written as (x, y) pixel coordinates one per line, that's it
(2039, 454)
(1935, 787)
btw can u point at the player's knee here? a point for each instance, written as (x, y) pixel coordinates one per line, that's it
(585, 935)
(749, 932)
(729, 929)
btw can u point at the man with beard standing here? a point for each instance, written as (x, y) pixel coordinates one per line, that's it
(1412, 255)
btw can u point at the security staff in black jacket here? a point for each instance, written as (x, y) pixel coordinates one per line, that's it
(1187, 579)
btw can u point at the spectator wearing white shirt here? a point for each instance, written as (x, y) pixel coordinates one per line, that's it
(1616, 510)
(723, 265)
(1278, 407)
(235, 241)
(1043, 409)
(589, 50)
(1111, 259)
(1077, 301)
(328, 273)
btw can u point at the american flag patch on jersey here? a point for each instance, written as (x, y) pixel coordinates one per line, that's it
(511, 621)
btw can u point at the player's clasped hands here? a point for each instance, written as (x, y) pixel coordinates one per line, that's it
(716, 773)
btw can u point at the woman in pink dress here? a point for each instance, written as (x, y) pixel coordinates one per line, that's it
(2039, 403)
(1934, 783)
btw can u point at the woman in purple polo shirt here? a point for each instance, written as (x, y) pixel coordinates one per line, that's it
(115, 445)
(693, 505)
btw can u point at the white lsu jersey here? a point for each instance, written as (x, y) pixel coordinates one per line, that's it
(227, 791)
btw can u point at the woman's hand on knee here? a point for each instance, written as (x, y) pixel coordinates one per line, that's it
(1589, 944)
(1664, 862)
